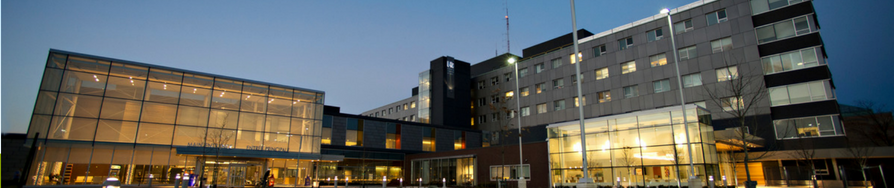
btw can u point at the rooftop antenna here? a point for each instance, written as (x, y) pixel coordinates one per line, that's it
(506, 3)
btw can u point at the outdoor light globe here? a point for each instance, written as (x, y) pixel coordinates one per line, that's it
(665, 11)
(511, 60)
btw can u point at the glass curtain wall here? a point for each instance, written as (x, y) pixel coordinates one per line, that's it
(424, 96)
(453, 171)
(643, 148)
(101, 118)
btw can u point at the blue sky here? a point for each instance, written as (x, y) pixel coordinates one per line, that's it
(363, 54)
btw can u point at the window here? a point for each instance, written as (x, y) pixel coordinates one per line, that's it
(716, 17)
(482, 101)
(808, 127)
(688, 53)
(412, 117)
(601, 73)
(494, 99)
(784, 29)
(701, 104)
(574, 60)
(800, 93)
(428, 139)
(510, 114)
(495, 117)
(728, 73)
(541, 87)
(661, 85)
(494, 80)
(658, 60)
(692, 80)
(732, 103)
(599, 51)
(760, 6)
(539, 68)
(525, 111)
(524, 91)
(604, 96)
(630, 92)
(481, 84)
(482, 119)
(541, 108)
(654, 35)
(720, 45)
(509, 94)
(397, 108)
(574, 78)
(390, 110)
(509, 172)
(354, 132)
(405, 106)
(377, 114)
(413, 104)
(558, 83)
(628, 67)
(558, 105)
(790, 61)
(507, 76)
(557, 62)
(577, 103)
(522, 72)
(625, 43)
(682, 27)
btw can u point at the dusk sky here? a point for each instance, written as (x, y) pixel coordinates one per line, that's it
(364, 54)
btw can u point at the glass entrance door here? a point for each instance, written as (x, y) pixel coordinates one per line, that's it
(236, 175)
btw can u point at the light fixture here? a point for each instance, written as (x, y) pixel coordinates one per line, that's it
(665, 11)
(511, 60)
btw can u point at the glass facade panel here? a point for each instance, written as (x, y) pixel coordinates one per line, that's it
(188, 135)
(152, 133)
(83, 83)
(77, 105)
(193, 116)
(52, 78)
(638, 148)
(222, 99)
(249, 139)
(87, 65)
(162, 92)
(72, 128)
(116, 131)
(126, 88)
(159, 113)
(251, 121)
(120, 109)
(195, 96)
(223, 119)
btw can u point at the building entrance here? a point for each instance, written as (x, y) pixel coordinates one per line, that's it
(232, 173)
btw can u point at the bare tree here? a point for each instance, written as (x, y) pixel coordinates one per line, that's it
(804, 154)
(740, 97)
(217, 140)
(504, 124)
(874, 123)
(860, 152)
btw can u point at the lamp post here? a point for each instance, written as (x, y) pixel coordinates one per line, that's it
(670, 25)
(585, 181)
(521, 179)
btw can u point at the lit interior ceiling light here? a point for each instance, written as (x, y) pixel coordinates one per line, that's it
(94, 77)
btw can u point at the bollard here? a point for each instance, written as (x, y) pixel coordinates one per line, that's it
(401, 183)
(185, 182)
(384, 178)
(150, 180)
(346, 181)
(619, 181)
(710, 181)
(443, 182)
(177, 181)
(420, 182)
(336, 181)
(724, 181)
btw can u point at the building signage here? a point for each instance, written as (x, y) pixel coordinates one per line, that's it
(449, 81)
(262, 148)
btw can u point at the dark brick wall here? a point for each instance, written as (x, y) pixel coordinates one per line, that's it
(338, 131)
(410, 137)
(374, 134)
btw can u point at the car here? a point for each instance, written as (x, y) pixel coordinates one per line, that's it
(111, 182)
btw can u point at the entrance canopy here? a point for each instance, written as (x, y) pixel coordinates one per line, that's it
(192, 150)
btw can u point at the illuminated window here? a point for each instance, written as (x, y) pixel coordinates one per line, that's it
(601, 73)
(783, 30)
(808, 127)
(540, 88)
(525, 91)
(800, 93)
(728, 73)
(658, 60)
(509, 172)
(354, 132)
(459, 140)
(577, 103)
(428, 139)
(541, 108)
(604, 96)
(392, 139)
(628, 67)
(413, 104)
(732, 103)
(575, 59)
(509, 94)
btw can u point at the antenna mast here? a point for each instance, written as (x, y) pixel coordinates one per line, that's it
(507, 26)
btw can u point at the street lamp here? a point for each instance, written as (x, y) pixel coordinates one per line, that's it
(670, 24)
(517, 95)
(585, 181)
